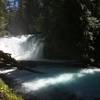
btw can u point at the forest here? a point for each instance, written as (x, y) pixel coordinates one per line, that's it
(70, 28)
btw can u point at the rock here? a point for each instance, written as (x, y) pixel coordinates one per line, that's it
(6, 60)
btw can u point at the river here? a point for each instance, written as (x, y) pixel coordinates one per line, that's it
(55, 83)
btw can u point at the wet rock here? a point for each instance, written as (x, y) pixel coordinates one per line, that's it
(6, 60)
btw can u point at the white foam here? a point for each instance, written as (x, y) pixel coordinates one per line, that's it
(63, 78)
(7, 71)
(20, 47)
(42, 83)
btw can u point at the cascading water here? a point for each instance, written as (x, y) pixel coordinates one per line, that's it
(36, 85)
(23, 47)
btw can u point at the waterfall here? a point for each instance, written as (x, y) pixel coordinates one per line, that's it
(23, 47)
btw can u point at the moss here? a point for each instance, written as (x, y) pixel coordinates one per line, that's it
(6, 93)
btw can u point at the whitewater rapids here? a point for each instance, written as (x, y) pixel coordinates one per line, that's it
(23, 47)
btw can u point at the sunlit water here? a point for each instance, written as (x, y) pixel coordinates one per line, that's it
(84, 82)
(64, 78)
(7, 71)
(24, 47)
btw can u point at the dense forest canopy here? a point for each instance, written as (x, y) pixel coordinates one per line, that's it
(71, 27)
(68, 34)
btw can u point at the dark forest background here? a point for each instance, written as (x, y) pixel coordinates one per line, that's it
(71, 27)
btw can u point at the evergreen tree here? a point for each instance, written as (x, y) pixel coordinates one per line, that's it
(3, 18)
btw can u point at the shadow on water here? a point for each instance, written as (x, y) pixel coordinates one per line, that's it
(71, 85)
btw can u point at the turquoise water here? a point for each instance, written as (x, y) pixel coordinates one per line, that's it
(57, 83)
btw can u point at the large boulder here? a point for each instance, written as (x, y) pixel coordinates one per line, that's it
(7, 60)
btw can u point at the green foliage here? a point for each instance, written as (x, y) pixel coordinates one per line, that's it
(7, 93)
(39, 23)
(3, 17)
(91, 29)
